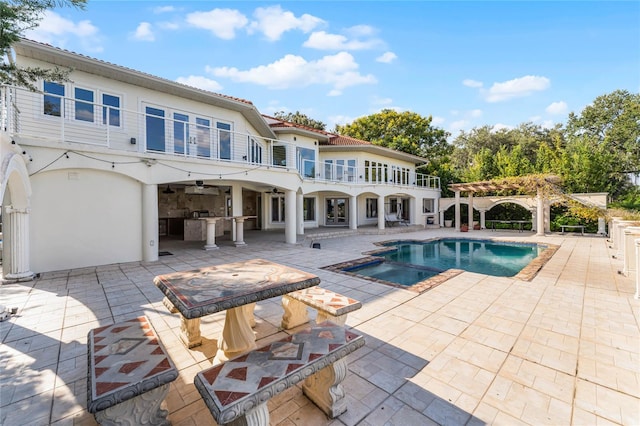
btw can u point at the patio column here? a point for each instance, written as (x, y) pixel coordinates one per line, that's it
(16, 261)
(239, 221)
(470, 211)
(290, 217)
(149, 222)
(534, 222)
(547, 215)
(482, 219)
(381, 212)
(299, 213)
(353, 212)
(236, 207)
(211, 231)
(441, 218)
(457, 211)
(540, 215)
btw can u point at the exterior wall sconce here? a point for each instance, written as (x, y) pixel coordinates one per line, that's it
(133, 141)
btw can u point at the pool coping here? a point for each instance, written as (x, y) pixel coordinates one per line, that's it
(526, 274)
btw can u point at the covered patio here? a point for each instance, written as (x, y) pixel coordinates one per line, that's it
(560, 349)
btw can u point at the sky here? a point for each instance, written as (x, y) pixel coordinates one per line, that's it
(465, 64)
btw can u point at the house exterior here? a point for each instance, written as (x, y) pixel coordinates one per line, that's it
(104, 168)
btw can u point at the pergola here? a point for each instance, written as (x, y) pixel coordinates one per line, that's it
(530, 184)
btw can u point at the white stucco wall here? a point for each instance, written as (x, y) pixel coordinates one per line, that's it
(83, 218)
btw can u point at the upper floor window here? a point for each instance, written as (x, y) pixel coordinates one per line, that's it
(224, 138)
(54, 93)
(84, 104)
(111, 110)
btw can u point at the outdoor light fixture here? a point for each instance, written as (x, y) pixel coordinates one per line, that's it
(168, 190)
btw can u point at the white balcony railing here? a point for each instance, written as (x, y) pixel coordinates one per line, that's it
(56, 118)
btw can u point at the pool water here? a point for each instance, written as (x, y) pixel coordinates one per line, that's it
(410, 262)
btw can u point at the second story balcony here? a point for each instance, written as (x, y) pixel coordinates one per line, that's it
(52, 119)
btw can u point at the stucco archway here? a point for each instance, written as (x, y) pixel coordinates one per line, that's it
(15, 199)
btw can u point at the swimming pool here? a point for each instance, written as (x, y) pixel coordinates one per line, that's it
(407, 263)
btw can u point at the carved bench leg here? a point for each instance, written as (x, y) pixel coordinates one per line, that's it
(190, 332)
(323, 316)
(143, 409)
(295, 313)
(169, 305)
(258, 416)
(325, 390)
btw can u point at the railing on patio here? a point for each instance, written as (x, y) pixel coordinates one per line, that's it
(52, 117)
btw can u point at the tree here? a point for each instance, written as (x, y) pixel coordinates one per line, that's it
(402, 131)
(301, 119)
(17, 16)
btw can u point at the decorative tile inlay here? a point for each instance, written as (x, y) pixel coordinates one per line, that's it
(208, 290)
(128, 361)
(271, 369)
(326, 300)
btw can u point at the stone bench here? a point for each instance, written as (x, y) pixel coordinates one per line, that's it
(580, 227)
(236, 391)
(129, 374)
(331, 306)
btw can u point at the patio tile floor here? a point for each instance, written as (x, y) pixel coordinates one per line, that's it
(563, 348)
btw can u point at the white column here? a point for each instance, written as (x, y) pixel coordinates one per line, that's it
(441, 218)
(540, 215)
(236, 207)
(470, 211)
(457, 211)
(211, 232)
(413, 213)
(290, 217)
(602, 230)
(353, 212)
(482, 219)
(534, 222)
(239, 221)
(16, 263)
(630, 234)
(299, 214)
(149, 222)
(381, 212)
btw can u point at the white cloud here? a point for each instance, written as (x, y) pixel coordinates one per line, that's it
(55, 30)
(516, 88)
(164, 9)
(472, 83)
(200, 82)
(322, 40)
(361, 31)
(223, 23)
(273, 21)
(339, 119)
(166, 25)
(557, 108)
(548, 124)
(437, 121)
(387, 57)
(381, 101)
(144, 32)
(458, 125)
(338, 71)
(475, 113)
(499, 126)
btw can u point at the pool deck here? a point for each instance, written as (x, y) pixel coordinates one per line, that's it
(562, 349)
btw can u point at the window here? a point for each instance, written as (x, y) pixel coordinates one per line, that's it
(54, 92)
(180, 132)
(84, 104)
(306, 162)
(203, 136)
(308, 209)
(254, 150)
(372, 207)
(224, 138)
(111, 110)
(277, 209)
(155, 129)
(279, 155)
(428, 205)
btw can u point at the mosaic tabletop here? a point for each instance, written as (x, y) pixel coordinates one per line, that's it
(208, 290)
(269, 370)
(125, 360)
